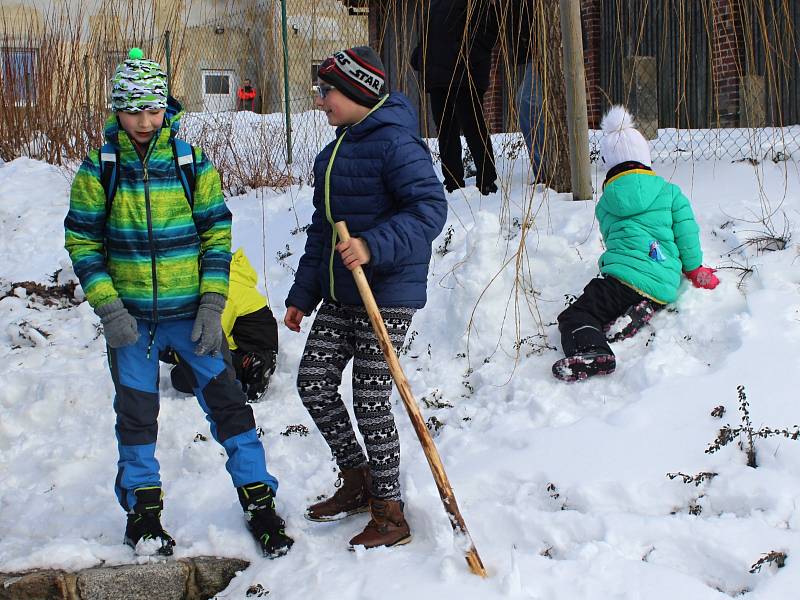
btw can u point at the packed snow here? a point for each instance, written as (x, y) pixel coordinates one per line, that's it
(563, 487)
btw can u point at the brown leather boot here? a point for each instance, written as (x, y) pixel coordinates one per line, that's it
(387, 527)
(352, 497)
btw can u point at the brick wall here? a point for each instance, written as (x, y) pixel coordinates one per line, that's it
(590, 17)
(725, 65)
(590, 21)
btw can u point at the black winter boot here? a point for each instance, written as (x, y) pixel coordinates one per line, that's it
(267, 527)
(144, 524)
(585, 364)
(637, 316)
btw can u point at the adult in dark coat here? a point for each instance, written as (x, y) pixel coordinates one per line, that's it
(455, 59)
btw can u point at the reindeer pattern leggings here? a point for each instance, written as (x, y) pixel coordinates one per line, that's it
(339, 333)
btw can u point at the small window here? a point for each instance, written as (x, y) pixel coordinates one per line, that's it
(19, 74)
(217, 84)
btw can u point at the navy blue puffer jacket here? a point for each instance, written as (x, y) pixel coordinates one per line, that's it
(382, 184)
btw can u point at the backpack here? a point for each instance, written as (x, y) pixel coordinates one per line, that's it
(185, 168)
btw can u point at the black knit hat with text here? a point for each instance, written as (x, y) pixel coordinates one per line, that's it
(356, 72)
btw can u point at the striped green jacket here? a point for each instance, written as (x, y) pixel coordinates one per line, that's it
(153, 251)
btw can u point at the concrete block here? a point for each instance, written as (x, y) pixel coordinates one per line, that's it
(163, 580)
(212, 575)
(36, 585)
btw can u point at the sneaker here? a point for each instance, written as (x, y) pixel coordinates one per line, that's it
(584, 365)
(143, 531)
(258, 503)
(351, 497)
(387, 527)
(636, 317)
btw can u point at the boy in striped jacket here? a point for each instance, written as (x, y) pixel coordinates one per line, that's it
(153, 259)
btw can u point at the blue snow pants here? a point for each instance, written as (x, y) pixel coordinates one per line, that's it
(135, 376)
(531, 116)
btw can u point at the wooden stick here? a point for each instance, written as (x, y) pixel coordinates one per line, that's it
(431, 453)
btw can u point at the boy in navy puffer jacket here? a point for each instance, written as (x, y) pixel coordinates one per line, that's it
(378, 177)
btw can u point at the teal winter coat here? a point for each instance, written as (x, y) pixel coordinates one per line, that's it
(649, 232)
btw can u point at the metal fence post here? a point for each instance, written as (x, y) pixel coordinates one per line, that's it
(86, 90)
(288, 109)
(168, 52)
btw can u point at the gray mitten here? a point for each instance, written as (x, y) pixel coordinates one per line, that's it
(118, 324)
(207, 330)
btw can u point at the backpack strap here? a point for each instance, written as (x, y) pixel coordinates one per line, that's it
(109, 169)
(185, 167)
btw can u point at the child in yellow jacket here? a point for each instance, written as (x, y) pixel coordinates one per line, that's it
(251, 332)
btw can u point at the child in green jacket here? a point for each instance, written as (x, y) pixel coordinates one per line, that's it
(650, 236)
(154, 266)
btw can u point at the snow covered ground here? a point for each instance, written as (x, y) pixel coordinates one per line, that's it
(564, 487)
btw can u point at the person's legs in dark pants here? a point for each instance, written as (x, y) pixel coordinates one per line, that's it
(329, 348)
(582, 328)
(469, 113)
(372, 391)
(443, 107)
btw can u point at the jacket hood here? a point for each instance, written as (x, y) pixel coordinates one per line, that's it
(631, 193)
(395, 110)
(242, 271)
(172, 122)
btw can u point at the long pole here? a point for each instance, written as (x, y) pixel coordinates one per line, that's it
(287, 108)
(575, 84)
(431, 453)
(86, 91)
(168, 52)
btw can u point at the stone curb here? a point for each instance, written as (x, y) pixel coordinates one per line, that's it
(198, 578)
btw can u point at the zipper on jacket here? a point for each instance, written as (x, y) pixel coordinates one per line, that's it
(328, 215)
(150, 239)
(334, 235)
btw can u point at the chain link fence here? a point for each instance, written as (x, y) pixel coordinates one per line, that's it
(713, 79)
(243, 72)
(247, 86)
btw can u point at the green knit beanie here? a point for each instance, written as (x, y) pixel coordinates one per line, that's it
(138, 84)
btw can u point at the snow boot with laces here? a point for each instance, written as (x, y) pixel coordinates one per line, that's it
(144, 532)
(585, 364)
(637, 316)
(387, 527)
(258, 503)
(351, 497)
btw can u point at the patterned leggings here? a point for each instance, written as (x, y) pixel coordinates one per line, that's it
(338, 334)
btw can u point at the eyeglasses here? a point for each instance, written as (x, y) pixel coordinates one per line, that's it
(322, 89)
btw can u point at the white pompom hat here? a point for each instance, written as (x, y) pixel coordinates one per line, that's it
(621, 141)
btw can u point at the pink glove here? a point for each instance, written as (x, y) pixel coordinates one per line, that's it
(703, 277)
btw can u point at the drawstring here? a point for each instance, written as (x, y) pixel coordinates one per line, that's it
(151, 329)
